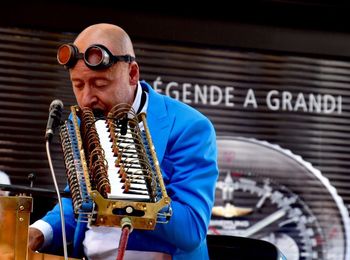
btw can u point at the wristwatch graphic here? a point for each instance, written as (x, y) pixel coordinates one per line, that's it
(269, 193)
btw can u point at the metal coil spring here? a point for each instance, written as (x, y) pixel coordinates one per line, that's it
(70, 167)
(123, 146)
(157, 193)
(94, 153)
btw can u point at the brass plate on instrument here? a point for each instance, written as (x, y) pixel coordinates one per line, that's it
(106, 217)
(14, 222)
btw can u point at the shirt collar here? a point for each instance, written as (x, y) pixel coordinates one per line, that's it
(137, 100)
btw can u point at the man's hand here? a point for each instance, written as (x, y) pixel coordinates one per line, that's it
(36, 239)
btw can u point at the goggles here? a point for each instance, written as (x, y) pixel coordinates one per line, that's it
(96, 56)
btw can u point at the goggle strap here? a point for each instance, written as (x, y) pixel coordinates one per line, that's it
(125, 58)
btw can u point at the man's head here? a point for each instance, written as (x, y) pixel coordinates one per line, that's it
(103, 89)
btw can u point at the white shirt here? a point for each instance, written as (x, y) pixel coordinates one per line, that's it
(101, 243)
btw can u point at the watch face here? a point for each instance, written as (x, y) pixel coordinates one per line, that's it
(268, 193)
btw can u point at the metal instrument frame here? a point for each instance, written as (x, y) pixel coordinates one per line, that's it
(102, 214)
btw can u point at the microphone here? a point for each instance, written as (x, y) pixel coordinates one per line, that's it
(55, 113)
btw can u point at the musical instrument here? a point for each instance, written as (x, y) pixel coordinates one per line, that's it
(14, 223)
(112, 169)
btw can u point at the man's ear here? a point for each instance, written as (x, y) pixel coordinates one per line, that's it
(134, 73)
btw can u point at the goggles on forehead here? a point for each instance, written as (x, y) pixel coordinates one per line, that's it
(96, 56)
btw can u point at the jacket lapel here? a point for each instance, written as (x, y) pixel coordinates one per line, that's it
(159, 121)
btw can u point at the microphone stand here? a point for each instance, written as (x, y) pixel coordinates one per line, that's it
(31, 178)
(59, 200)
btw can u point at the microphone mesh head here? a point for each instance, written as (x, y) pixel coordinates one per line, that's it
(56, 104)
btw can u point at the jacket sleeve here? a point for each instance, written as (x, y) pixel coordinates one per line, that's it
(54, 219)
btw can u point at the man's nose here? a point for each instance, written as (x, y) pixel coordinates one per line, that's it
(89, 97)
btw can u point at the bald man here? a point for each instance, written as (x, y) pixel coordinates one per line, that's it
(185, 143)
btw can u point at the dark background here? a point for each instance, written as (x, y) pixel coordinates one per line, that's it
(295, 26)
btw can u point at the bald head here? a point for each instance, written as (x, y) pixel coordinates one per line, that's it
(109, 35)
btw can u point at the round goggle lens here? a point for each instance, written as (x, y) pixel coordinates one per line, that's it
(64, 54)
(94, 56)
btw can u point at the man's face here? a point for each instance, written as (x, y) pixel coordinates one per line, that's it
(102, 89)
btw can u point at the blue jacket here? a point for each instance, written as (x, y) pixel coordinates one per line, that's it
(185, 144)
